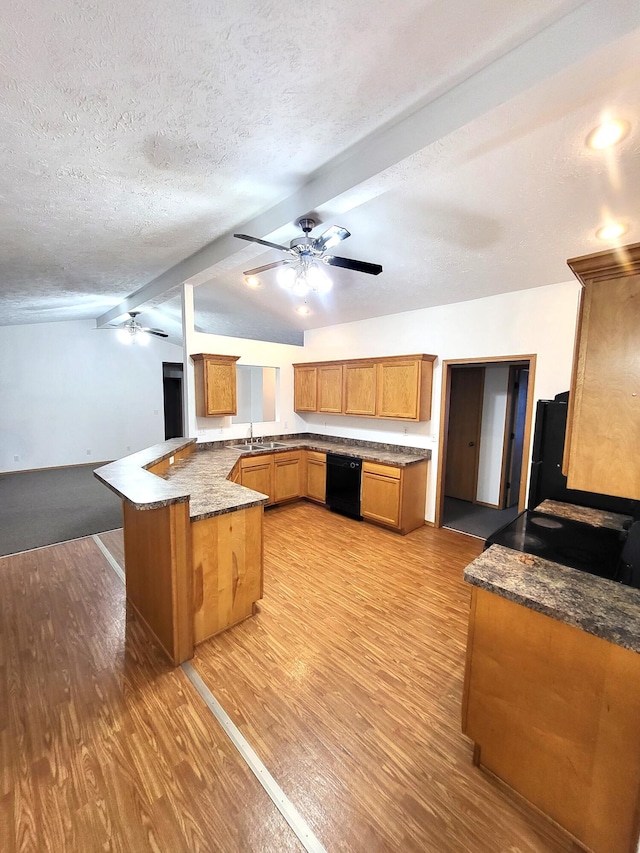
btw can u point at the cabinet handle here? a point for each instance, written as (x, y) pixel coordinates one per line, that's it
(472, 444)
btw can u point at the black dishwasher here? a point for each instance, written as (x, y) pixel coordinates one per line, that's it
(343, 484)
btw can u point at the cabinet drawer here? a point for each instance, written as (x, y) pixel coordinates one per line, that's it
(261, 461)
(316, 456)
(381, 470)
(287, 456)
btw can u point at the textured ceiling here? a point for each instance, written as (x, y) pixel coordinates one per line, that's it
(134, 134)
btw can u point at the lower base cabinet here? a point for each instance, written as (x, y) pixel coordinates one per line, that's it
(391, 496)
(394, 497)
(554, 712)
(278, 475)
(256, 472)
(316, 485)
(287, 480)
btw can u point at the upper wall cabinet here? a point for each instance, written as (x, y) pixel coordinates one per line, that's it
(395, 387)
(603, 430)
(215, 384)
(305, 388)
(330, 388)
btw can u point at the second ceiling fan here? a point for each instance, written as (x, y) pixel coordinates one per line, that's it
(307, 253)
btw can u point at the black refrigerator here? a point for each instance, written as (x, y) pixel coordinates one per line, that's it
(547, 479)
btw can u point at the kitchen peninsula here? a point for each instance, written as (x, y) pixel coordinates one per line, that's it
(193, 537)
(552, 692)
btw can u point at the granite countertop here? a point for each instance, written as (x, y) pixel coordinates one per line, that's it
(201, 477)
(585, 514)
(601, 607)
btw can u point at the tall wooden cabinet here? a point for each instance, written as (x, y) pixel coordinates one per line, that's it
(603, 430)
(215, 384)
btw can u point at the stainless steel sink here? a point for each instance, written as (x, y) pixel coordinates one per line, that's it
(262, 445)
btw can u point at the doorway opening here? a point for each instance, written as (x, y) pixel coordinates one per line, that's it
(485, 430)
(172, 373)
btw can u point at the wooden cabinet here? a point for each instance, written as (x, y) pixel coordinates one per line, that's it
(603, 431)
(360, 388)
(305, 384)
(278, 475)
(394, 497)
(330, 388)
(316, 476)
(215, 377)
(554, 712)
(381, 493)
(287, 477)
(402, 390)
(397, 387)
(257, 474)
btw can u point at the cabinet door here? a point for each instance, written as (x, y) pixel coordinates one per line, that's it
(305, 394)
(360, 389)
(257, 474)
(399, 390)
(316, 476)
(604, 432)
(215, 381)
(330, 388)
(381, 493)
(287, 476)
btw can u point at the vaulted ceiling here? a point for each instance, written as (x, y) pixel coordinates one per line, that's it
(448, 137)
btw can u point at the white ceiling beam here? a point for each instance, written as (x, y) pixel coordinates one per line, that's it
(564, 42)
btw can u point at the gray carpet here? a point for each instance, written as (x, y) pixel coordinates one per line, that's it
(480, 521)
(43, 507)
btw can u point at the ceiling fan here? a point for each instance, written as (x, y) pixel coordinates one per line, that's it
(131, 330)
(303, 271)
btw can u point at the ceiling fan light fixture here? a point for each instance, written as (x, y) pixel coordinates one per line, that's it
(287, 277)
(303, 310)
(318, 280)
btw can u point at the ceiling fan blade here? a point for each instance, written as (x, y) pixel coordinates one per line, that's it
(331, 237)
(157, 332)
(350, 264)
(264, 243)
(257, 270)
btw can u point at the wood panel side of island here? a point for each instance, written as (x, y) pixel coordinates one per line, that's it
(555, 713)
(157, 547)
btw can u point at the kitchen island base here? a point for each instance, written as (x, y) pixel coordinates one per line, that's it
(189, 580)
(554, 712)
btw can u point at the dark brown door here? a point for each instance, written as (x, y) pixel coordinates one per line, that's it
(463, 437)
(518, 384)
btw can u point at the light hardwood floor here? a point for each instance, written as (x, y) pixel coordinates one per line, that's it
(348, 684)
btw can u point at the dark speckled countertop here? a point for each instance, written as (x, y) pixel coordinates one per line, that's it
(600, 607)
(201, 478)
(585, 514)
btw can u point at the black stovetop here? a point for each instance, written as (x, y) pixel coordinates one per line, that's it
(572, 543)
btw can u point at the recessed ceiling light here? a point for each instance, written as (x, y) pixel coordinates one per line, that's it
(252, 281)
(303, 310)
(611, 231)
(607, 134)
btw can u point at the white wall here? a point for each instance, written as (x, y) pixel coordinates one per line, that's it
(494, 411)
(540, 321)
(68, 388)
(261, 353)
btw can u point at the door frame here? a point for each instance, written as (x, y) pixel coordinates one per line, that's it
(529, 361)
